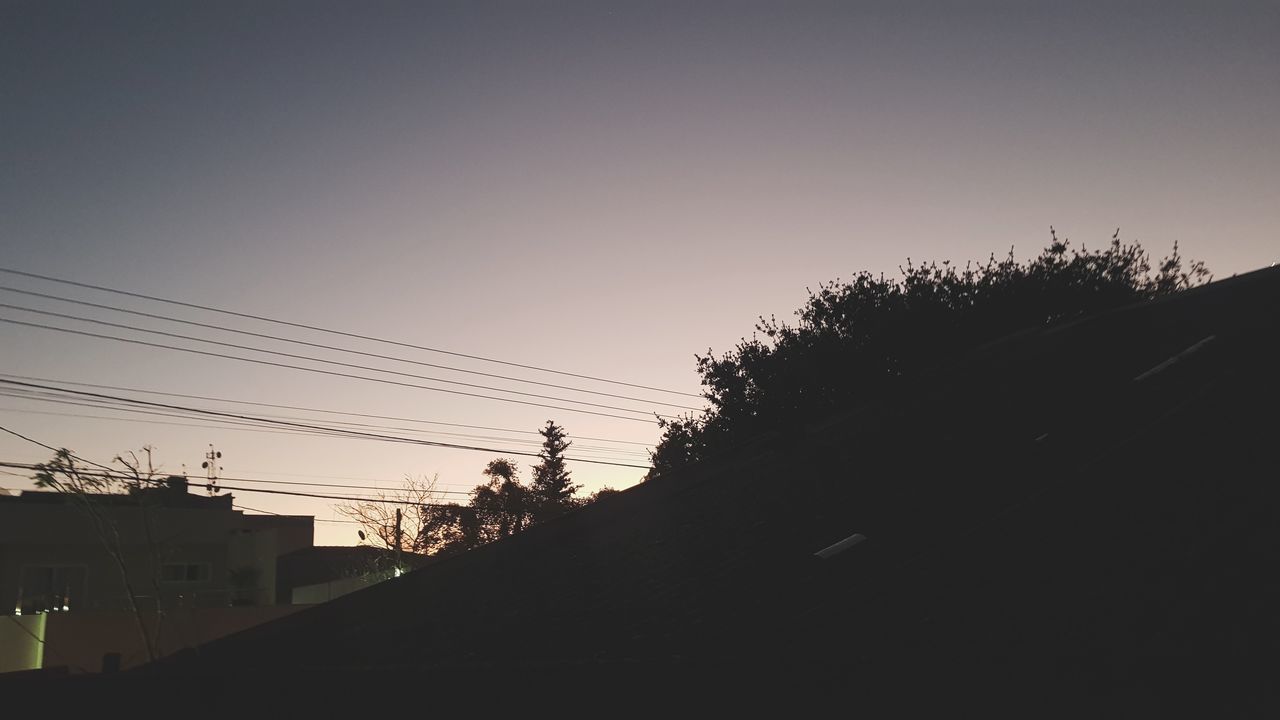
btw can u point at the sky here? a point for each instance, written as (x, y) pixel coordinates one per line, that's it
(600, 188)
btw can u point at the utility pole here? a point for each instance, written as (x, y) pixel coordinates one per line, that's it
(397, 570)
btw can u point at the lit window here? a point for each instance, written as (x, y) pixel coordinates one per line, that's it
(46, 588)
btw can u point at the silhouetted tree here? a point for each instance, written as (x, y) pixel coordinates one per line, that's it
(450, 528)
(853, 337)
(417, 499)
(602, 493)
(501, 505)
(551, 492)
(498, 508)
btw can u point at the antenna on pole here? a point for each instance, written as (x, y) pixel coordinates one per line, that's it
(212, 468)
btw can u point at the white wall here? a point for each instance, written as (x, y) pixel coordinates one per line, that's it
(21, 642)
(322, 592)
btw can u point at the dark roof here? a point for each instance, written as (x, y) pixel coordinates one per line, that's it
(317, 564)
(1047, 515)
(173, 497)
(263, 522)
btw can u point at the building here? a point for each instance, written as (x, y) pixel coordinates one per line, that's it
(80, 573)
(61, 552)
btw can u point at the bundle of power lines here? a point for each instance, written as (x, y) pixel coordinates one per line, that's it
(621, 401)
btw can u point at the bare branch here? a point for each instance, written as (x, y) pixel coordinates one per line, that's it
(378, 516)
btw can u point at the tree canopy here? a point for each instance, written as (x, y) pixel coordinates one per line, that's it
(501, 506)
(851, 338)
(551, 492)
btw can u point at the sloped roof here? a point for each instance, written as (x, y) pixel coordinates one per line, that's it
(1064, 508)
(325, 563)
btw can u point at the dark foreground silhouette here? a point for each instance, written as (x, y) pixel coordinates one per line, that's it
(1080, 518)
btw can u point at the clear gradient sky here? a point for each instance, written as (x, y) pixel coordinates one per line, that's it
(600, 187)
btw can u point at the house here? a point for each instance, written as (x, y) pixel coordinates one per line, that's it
(192, 564)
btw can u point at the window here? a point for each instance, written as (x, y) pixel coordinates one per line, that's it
(51, 588)
(184, 572)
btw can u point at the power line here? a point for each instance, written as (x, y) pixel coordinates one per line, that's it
(340, 486)
(366, 498)
(344, 477)
(387, 501)
(338, 363)
(313, 518)
(54, 398)
(247, 426)
(119, 475)
(333, 485)
(49, 397)
(51, 448)
(250, 425)
(113, 473)
(320, 371)
(321, 346)
(305, 409)
(315, 328)
(284, 423)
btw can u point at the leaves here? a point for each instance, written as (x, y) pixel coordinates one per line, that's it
(551, 491)
(850, 336)
(499, 507)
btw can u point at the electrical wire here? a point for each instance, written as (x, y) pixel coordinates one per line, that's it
(51, 448)
(303, 326)
(321, 371)
(304, 409)
(321, 346)
(264, 512)
(250, 428)
(309, 358)
(159, 422)
(116, 474)
(341, 486)
(51, 398)
(283, 423)
(334, 485)
(253, 426)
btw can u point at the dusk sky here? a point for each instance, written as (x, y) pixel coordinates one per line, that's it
(600, 188)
